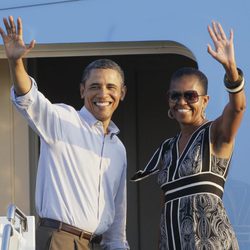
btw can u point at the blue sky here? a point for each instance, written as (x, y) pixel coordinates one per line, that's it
(143, 20)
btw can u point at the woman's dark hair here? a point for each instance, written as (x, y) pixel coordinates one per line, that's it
(189, 71)
(102, 64)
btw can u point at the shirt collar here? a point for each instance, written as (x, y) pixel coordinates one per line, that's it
(92, 121)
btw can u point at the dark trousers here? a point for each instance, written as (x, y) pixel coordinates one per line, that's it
(53, 239)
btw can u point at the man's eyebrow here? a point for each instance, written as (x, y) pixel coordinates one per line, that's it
(98, 84)
(111, 83)
(94, 83)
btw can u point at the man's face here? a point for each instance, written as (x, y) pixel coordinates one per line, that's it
(102, 93)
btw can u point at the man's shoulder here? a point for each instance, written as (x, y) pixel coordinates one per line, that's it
(119, 144)
(62, 107)
(115, 138)
(66, 112)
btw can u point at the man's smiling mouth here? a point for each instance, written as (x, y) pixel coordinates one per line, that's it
(102, 104)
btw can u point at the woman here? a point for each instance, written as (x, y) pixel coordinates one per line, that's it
(195, 162)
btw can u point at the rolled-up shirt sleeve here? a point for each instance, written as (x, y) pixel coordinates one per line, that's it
(39, 112)
(23, 102)
(115, 237)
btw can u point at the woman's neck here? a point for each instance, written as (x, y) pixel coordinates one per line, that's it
(188, 129)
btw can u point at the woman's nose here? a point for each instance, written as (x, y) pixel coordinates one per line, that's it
(181, 100)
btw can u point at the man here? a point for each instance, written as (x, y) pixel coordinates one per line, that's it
(81, 179)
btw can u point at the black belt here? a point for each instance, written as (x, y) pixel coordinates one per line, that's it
(45, 222)
(200, 183)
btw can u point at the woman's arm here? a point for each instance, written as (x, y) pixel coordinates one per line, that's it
(225, 127)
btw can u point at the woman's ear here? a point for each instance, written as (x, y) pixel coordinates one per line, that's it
(206, 100)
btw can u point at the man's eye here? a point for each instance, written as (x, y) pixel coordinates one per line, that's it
(93, 87)
(111, 87)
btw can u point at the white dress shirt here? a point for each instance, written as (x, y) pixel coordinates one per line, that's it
(81, 178)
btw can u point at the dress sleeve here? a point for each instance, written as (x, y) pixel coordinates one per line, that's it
(153, 165)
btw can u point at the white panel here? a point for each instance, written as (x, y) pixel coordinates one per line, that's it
(14, 155)
(18, 241)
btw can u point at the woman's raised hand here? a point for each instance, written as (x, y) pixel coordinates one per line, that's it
(223, 50)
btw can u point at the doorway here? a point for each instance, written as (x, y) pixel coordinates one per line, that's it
(141, 117)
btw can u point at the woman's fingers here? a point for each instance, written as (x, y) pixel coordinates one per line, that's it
(223, 35)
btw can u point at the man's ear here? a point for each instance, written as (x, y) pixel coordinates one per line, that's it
(82, 90)
(123, 92)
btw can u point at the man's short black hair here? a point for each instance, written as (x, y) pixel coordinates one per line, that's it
(189, 71)
(102, 64)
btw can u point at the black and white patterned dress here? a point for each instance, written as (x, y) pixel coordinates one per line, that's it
(193, 216)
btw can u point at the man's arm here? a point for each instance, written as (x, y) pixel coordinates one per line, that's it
(15, 50)
(115, 237)
(225, 127)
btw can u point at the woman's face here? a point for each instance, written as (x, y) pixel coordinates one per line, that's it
(187, 101)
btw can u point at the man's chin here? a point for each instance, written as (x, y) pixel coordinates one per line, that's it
(102, 118)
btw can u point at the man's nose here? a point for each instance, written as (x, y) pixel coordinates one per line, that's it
(103, 91)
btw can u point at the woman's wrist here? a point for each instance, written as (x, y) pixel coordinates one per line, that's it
(231, 71)
(236, 86)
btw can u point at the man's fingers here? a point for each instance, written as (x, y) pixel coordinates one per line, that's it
(31, 45)
(12, 25)
(7, 26)
(2, 33)
(12, 29)
(19, 27)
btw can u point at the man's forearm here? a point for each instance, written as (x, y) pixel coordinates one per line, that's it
(19, 76)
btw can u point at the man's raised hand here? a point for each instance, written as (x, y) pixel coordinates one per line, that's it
(15, 47)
